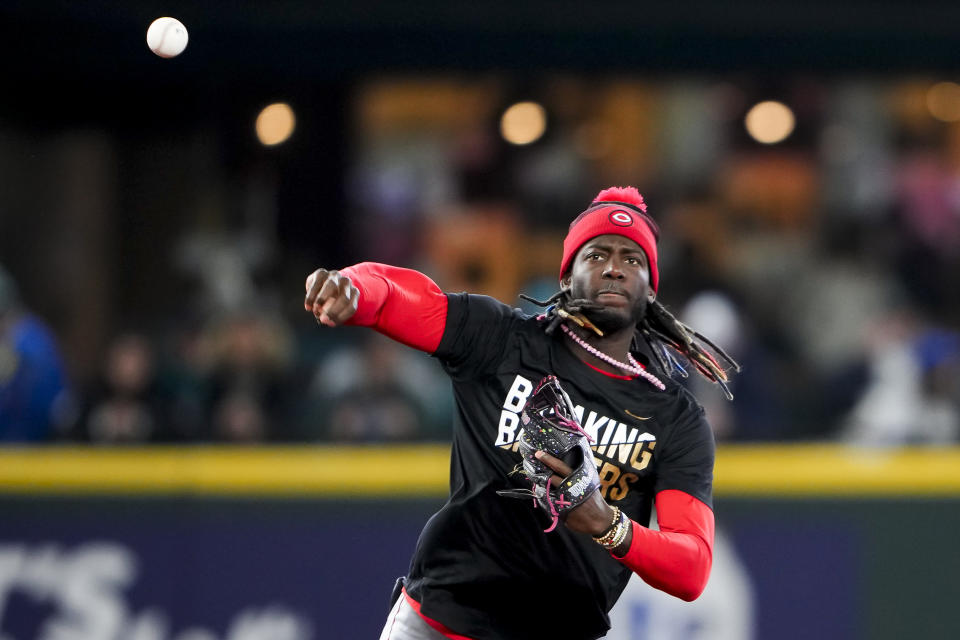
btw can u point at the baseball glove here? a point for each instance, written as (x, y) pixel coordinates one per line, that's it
(549, 424)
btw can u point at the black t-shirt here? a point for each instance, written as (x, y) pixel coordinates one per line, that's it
(483, 565)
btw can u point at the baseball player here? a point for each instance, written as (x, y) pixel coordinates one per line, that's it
(490, 567)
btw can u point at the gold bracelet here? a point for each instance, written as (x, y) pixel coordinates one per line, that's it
(621, 533)
(612, 526)
(608, 537)
(615, 538)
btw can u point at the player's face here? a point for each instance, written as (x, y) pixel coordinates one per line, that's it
(611, 272)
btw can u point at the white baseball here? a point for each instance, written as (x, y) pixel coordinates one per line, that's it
(167, 37)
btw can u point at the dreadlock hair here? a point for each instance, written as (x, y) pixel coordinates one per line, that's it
(659, 329)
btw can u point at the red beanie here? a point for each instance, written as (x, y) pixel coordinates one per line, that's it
(620, 211)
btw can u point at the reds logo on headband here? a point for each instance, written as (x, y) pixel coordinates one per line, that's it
(617, 211)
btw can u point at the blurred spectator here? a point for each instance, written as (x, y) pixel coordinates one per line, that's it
(376, 392)
(240, 417)
(928, 217)
(929, 199)
(757, 412)
(124, 405)
(250, 359)
(913, 396)
(184, 377)
(33, 380)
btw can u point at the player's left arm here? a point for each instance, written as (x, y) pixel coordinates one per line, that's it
(676, 559)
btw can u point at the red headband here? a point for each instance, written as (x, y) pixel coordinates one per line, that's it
(618, 218)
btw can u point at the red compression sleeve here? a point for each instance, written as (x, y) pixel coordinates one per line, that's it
(677, 559)
(400, 303)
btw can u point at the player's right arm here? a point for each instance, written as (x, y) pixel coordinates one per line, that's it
(400, 303)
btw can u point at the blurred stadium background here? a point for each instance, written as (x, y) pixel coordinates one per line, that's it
(189, 456)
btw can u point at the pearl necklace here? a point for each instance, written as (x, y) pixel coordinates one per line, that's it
(634, 366)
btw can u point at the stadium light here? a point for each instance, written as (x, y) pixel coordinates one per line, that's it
(770, 122)
(523, 123)
(275, 124)
(943, 101)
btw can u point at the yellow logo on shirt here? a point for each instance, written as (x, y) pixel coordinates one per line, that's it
(620, 451)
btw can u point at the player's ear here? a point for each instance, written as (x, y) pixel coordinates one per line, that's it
(565, 283)
(651, 296)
